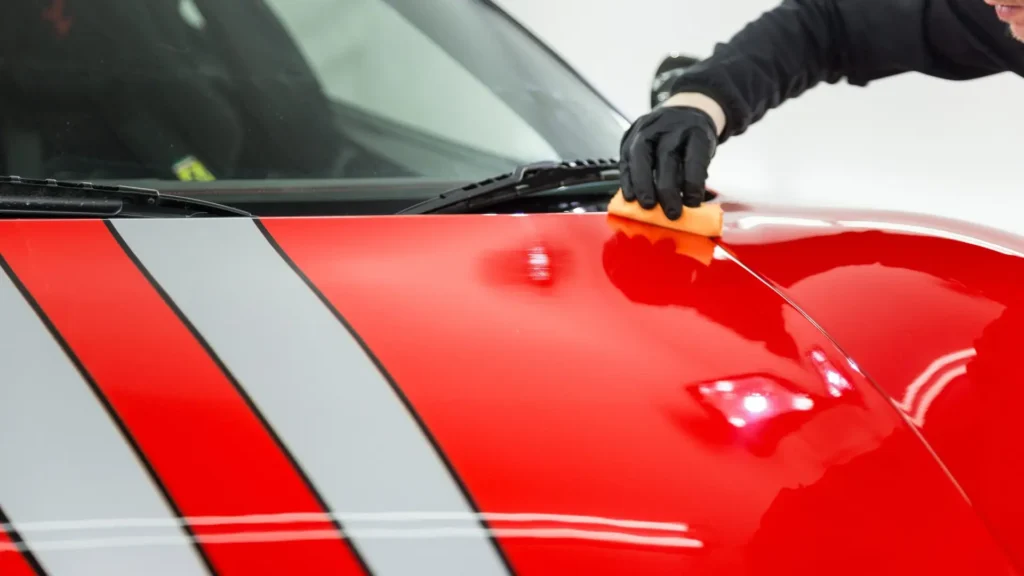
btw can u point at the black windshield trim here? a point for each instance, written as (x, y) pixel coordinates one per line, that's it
(525, 180)
(28, 196)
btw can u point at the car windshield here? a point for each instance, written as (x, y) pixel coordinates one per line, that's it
(221, 94)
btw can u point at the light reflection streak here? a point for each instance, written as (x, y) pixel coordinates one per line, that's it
(934, 391)
(933, 380)
(304, 517)
(749, 222)
(362, 533)
(928, 231)
(938, 364)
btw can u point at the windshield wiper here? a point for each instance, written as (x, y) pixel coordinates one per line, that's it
(525, 180)
(52, 198)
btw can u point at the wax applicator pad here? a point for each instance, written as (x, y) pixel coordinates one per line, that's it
(705, 220)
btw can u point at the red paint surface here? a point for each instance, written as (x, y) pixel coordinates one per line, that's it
(207, 447)
(937, 322)
(12, 563)
(560, 364)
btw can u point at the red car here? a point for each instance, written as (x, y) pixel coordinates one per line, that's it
(300, 357)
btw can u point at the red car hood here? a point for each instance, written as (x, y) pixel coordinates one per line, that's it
(551, 394)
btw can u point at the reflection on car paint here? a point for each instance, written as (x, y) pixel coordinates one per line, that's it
(585, 399)
(835, 382)
(920, 394)
(296, 527)
(584, 384)
(932, 310)
(540, 264)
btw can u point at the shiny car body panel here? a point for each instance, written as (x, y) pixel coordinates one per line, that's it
(932, 311)
(494, 394)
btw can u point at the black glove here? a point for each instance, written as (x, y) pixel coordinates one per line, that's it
(664, 158)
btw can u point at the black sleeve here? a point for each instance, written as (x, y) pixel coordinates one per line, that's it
(801, 43)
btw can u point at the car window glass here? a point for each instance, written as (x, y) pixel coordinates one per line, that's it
(284, 90)
(367, 55)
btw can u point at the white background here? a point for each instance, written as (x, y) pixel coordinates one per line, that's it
(907, 143)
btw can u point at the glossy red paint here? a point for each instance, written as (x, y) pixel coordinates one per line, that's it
(200, 436)
(12, 562)
(568, 367)
(933, 311)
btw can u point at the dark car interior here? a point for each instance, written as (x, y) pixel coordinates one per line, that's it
(115, 92)
(125, 90)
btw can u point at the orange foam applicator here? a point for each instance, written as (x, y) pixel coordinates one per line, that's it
(700, 248)
(705, 220)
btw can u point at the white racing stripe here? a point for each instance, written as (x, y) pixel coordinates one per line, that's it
(331, 406)
(63, 459)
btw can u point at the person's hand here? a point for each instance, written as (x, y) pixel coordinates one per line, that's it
(664, 156)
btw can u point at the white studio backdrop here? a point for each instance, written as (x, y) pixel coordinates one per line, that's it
(907, 143)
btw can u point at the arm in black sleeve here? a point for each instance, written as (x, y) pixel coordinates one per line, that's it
(801, 43)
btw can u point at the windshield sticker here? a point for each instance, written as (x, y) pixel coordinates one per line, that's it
(54, 14)
(190, 169)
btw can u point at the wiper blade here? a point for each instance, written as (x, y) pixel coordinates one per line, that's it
(525, 180)
(54, 198)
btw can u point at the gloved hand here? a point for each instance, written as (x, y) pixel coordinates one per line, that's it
(664, 158)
